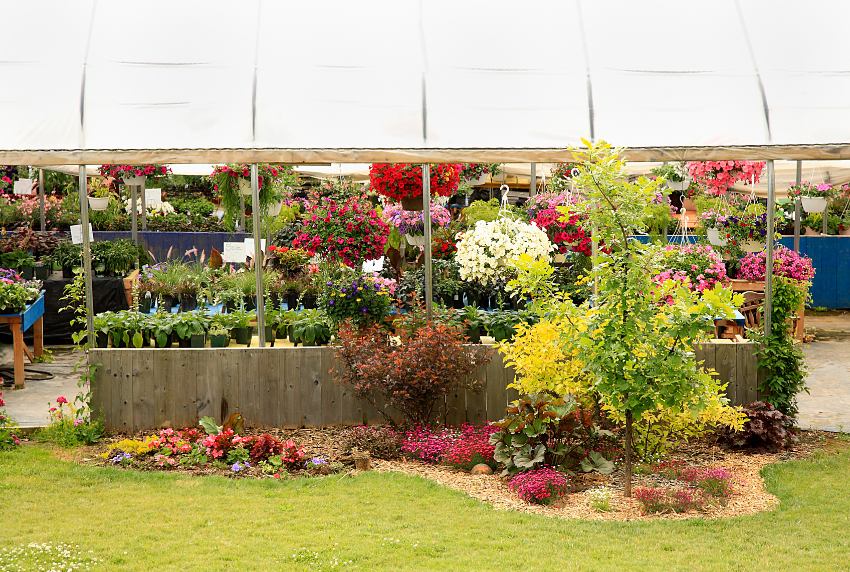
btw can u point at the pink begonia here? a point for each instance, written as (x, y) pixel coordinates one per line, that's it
(786, 263)
(695, 265)
(717, 176)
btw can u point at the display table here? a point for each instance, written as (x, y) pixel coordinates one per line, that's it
(33, 315)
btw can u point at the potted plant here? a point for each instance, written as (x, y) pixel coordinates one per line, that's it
(99, 194)
(241, 325)
(473, 319)
(746, 231)
(312, 328)
(412, 223)
(813, 197)
(844, 224)
(696, 265)
(715, 177)
(566, 230)
(133, 174)
(67, 256)
(487, 251)
(25, 263)
(161, 327)
(474, 173)
(229, 298)
(403, 182)
(219, 336)
(360, 297)
(712, 220)
(233, 183)
(102, 325)
(42, 270)
(675, 176)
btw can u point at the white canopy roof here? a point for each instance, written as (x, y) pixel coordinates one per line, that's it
(496, 81)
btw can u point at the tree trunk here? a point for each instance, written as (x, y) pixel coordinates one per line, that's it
(627, 490)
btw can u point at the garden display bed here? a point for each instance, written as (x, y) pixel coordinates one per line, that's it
(145, 389)
(749, 494)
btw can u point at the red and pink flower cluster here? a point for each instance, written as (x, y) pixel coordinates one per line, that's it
(786, 263)
(717, 176)
(119, 171)
(402, 181)
(696, 265)
(349, 232)
(567, 233)
(540, 486)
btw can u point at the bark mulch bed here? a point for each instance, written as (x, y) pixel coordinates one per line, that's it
(749, 495)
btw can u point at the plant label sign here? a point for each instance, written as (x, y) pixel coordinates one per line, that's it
(153, 197)
(23, 187)
(234, 252)
(249, 246)
(77, 234)
(373, 265)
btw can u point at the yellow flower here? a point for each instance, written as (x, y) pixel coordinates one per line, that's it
(342, 295)
(358, 299)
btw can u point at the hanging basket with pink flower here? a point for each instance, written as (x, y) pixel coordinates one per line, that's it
(133, 174)
(716, 177)
(567, 230)
(696, 265)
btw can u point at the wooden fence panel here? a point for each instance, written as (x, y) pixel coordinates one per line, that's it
(311, 387)
(207, 387)
(747, 374)
(497, 387)
(331, 390)
(268, 379)
(291, 404)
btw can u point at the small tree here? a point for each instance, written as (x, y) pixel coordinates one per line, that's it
(428, 362)
(635, 337)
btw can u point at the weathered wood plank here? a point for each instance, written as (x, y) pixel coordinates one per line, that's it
(497, 387)
(351, 408)
(208, 387)
(101, 389)
(269, 388)
(291, 379)
(455, 407)
(122, 389)
(311, 387)
(476, 403)
(143, 395)
(331, 391)
(227, 362)
(747, 374)
(726, 364)
(160, 385)
(249, 386)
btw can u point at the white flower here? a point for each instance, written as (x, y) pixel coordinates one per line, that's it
(490, 248)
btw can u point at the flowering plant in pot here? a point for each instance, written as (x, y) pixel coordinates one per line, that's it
(786, 263)
(565, 229)
(476, 173)
(443, 248)
(549, 200)
(403, 182)
(814, 197)
(412, 223)
(717, 176)
(559, 180)
(131, 172)
(674, 174)
(348, 232)
(713, 220)
(488, 250)
(232, 182)
(747, 231)
(355, 296)
(695, 265)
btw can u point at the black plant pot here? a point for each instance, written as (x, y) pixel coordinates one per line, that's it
(42, 272)
(167, 302)
(292, 301)
(67, 272)
(309, 302)
(229, 307)
(198, 340)
(474, 335)
(270, 335)
(145, 305)
(250, 303)
(458, 301)
(101, 340)
(27, 272)
(184, 342)
(275, 298)
(292, 337)
(188, 302)
(448, 300)
(219, 341)
(241, 335)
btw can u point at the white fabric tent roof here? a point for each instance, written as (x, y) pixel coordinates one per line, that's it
(293, 77)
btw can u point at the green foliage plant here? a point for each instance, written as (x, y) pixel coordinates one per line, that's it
(637, 338)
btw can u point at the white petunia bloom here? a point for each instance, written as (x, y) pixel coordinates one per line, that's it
(490, 248)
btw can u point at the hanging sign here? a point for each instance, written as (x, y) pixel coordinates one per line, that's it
(77, 234)
(234, 252)
(153, 197)
(23, 187)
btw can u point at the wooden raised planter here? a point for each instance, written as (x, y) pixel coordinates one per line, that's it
(146, 389)
(799, 324)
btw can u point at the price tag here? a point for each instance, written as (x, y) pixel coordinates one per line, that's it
(77, 233)
(249, 246)
(373, 265)
(23, 187)
(234, 252)
(153, 197)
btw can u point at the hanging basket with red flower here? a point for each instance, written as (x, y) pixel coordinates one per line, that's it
(443, 248)
(130, 174)
(567, 232)
(715, 177)
(348, 232)
(400, 182)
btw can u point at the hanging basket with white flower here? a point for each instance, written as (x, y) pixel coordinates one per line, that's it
(489, 250)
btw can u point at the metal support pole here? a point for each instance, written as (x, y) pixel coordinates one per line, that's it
(258, 253)
(134, 215)
(768, 274)
(41, 198)
(144, 205)
(242, 213)
(84, 224)
(797, 209)
(532, 188)
(426, 216)
(594, 251)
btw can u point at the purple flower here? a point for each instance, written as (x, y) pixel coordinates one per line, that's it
(363, 309)
(331, 303)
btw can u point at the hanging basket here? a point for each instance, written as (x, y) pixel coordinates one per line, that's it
(274, 208)
(98, 203)
(752, 246)
(714, 237)
(415, 239)
(560, 258)
(412, 203)
(134, 180)
(813, 204)
(677, 185)
(244, 186)
(482, 180)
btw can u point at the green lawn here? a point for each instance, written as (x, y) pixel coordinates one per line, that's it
(158, 521)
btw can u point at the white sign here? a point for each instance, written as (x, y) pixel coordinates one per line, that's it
(153, 197)
(23, 187)
(234, 252)
(249, 246)
(77, 233)
(373, 265)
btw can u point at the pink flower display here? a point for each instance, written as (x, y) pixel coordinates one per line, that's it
(696, 265)
(717, 176)
(786, 263)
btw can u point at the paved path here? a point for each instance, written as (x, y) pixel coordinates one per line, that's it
(29, 406)
(827, 405)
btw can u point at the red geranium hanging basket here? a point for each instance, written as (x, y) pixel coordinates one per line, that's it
(401, 181)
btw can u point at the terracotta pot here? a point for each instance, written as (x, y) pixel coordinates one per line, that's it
(811, 232)
(688, 204)
(845, 232)
(752, 245)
